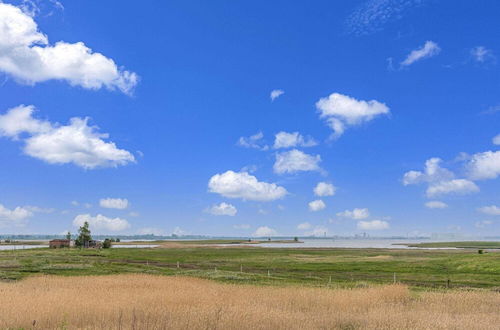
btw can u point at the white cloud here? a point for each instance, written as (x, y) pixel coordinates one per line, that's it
(436, 205)
(483, 224)
(275, 93)
(456, 186)
(114, 203)
(75, 143)
(484, 165)
(491, 210)
(14, 216)
(373, 225)
(304, 226)
(342, 110)
(482, 54)
(241, 226)
(355, 214)
(429, 49)
(19, 120)
(295, 161)
(372, 15)
(27, 56)
(289, 140)
(223, 209)
(37, 209)
(496, 140)
(265, 231)
(318, 231)
(101, 222)
(324, 189)
(179, 232)
(433, 172)
(316, 205)
(245, 186)
(254, 141)
(440, 180)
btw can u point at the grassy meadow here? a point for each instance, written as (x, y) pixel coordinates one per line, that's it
(268, 266)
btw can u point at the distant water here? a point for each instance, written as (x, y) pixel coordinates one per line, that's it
(349, 243)
(21, 247)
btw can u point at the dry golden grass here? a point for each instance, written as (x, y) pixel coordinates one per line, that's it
(155, 302)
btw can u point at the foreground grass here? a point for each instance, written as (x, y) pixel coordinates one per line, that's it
(159, 302)
(463, 245)
(267, 266)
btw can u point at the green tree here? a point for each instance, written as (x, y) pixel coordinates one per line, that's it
(68, 236)
(83, 235)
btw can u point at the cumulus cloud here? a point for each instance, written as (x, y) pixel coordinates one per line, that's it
(101, 222)
(317, 231)
(436, 205)
(254, 141)
(265, 231)
(341, 111)
(433, 172)
(14, 217)
(178, 231)
(484, 165)
(275, 93)
(114, 203)
(373, 225)
(440, 181)
(455, 186)
(27, 56)
(429, 49)
(323, 189)
(245, 186)
(316, 205)
(290, 140)
(76, 143)
(355, 214)
(303, 226)
(491, 210)
(295, 161)
(223, 209)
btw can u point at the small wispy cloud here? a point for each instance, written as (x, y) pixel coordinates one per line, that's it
(371, 16)
(482, 54)
(275, 93)
(429, 49)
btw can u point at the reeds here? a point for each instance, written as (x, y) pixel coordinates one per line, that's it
(157, 302)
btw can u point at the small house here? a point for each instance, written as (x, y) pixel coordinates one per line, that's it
(59, 243)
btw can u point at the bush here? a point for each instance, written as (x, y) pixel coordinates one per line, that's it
(106, 244)
(480, 251)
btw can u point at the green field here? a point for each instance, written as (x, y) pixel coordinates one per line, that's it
(315, 267)
(462, 245)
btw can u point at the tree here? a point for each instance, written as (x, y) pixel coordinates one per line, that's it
(68, 236)
(83, 235)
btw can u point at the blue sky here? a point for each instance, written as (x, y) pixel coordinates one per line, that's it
(161, 118)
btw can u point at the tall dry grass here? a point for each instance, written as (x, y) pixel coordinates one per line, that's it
(155, 302)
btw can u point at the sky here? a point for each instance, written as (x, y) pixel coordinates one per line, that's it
(238, 118)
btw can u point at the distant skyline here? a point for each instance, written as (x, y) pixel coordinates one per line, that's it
(250, 118)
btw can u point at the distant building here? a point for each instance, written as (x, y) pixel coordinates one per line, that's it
(60, 243)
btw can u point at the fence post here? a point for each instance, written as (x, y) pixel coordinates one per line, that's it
(268, 273)
(241, 268)
(178, 266)
(394, 278)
